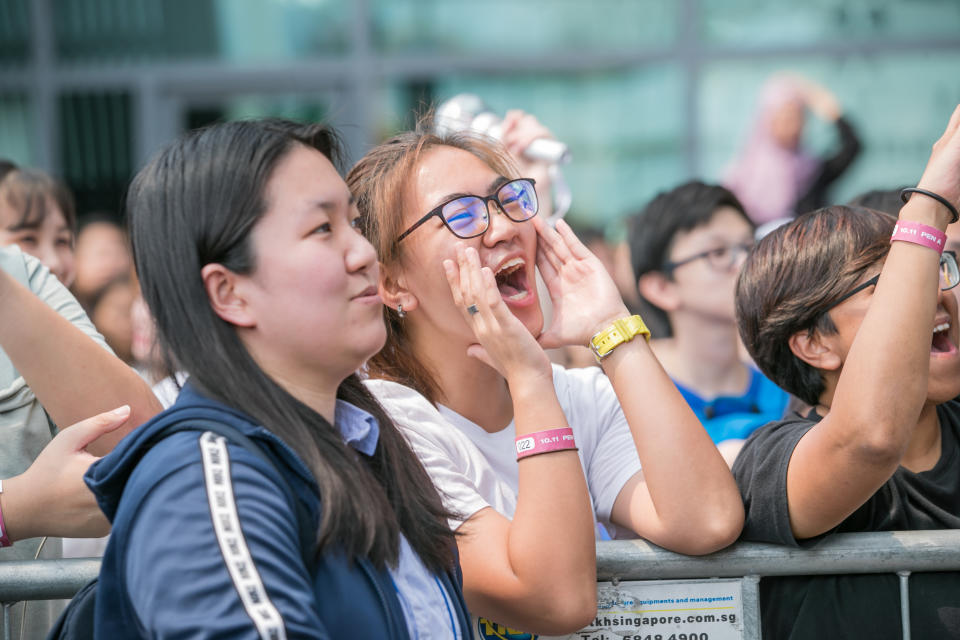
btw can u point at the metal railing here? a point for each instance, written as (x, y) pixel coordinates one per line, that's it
(897, 552)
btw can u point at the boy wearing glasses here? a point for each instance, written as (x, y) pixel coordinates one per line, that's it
(686, 248)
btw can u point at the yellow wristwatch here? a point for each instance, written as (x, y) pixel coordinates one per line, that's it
(622, 330)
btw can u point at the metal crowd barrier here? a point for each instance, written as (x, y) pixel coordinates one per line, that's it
(898, 552)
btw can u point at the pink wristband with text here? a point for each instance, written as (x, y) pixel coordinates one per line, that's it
(919, 233)
(545, 441)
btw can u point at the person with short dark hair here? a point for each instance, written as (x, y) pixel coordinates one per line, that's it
(686, 247)
(885, 200)
(861, 326)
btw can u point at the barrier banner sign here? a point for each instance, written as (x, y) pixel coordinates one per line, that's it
(667, 610)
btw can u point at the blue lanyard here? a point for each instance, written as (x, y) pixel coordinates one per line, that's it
(443, 592)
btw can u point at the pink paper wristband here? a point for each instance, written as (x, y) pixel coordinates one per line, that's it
(919, 233)
(545, 441)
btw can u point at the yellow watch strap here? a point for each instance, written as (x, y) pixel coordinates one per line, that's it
(622, 330)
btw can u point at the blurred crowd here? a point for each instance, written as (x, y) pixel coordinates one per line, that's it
(411, 369)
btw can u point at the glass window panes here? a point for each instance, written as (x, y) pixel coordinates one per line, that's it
(96, 147)
(103, 31)
(746, 23)
(250, 30)
(624, 129)
(266, 30)
(504, 27)
(16, 129)
(14, 33)
(896, 126)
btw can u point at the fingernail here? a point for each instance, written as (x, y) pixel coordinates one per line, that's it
(121, 411)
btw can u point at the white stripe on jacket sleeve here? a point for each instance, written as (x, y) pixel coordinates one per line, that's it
(233, 546)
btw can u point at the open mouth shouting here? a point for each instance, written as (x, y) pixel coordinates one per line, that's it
(941, 344)
(513, 282)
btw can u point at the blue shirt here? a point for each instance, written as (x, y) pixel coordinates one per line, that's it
(736, 417)
(427, 606)
(206, 541)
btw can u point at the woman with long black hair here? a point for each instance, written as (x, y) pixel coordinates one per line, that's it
(247, 246)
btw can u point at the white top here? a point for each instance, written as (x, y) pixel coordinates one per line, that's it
(474, 469)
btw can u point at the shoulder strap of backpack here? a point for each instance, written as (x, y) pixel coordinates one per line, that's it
(306, 528)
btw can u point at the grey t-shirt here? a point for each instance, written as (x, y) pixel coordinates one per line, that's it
(25, 428)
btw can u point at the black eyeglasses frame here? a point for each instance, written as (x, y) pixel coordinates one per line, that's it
(669, 267)
(948, 255)
(438, 211)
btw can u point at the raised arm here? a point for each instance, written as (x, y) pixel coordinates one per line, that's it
(848, 455)
(685, 499)
(71, 375)
(519, 129)
(536, 572)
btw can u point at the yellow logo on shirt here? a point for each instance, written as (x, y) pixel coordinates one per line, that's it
(488, 630)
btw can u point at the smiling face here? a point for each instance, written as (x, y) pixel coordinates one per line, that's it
(508, 248)
(311, 297)
(48, 238)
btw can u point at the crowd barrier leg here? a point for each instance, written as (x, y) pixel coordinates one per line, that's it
(751, 607)
(7, 631)
(904, 604)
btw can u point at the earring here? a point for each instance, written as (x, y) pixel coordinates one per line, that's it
(400, 312)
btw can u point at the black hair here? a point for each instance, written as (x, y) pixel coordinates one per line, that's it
(794, 276)
(196, 203)
(6, 166)
(885, 200)
(651, 232)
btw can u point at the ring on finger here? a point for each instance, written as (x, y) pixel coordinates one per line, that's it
(472, 309)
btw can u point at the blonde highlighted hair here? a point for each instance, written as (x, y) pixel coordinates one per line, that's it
(379, 183)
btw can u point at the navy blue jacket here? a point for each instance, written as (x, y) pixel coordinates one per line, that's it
(177, 567)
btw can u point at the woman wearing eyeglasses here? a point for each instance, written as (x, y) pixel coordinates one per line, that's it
(687, 246)
(843, 308)
(465, 375)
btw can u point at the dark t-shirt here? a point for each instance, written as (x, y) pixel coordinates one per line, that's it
(853, 606)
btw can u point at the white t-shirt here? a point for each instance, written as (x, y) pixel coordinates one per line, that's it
(473, 469)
